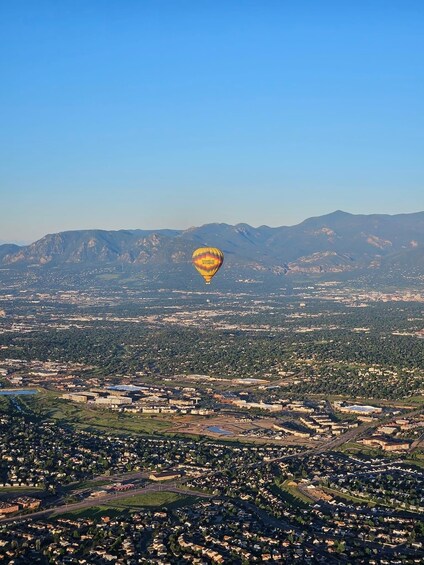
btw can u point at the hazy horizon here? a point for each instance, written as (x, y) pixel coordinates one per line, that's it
(164, 114)
(28, 242)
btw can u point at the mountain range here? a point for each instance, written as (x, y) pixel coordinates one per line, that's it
(336, 242)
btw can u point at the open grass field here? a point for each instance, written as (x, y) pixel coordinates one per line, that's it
(359, 449)
(155, 499)
(133, 503)
(416, 399)
(20, 489)
(95, 513)
(49, 405)
(289, 492)
(24, 490)
(85, 485)
(348, 497)
(291, 488)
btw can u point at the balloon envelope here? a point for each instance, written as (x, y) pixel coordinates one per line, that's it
(207, 261)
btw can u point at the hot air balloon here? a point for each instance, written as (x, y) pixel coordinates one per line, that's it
(207, 261)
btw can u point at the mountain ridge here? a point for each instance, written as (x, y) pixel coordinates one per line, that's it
(335, 242)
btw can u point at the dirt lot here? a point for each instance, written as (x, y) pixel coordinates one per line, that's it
(233, 427)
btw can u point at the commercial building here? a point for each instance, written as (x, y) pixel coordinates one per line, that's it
(8, 508)
(357, 409)
(113, 400)
(386, 444)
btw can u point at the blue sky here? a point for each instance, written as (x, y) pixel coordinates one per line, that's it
(144, 114)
